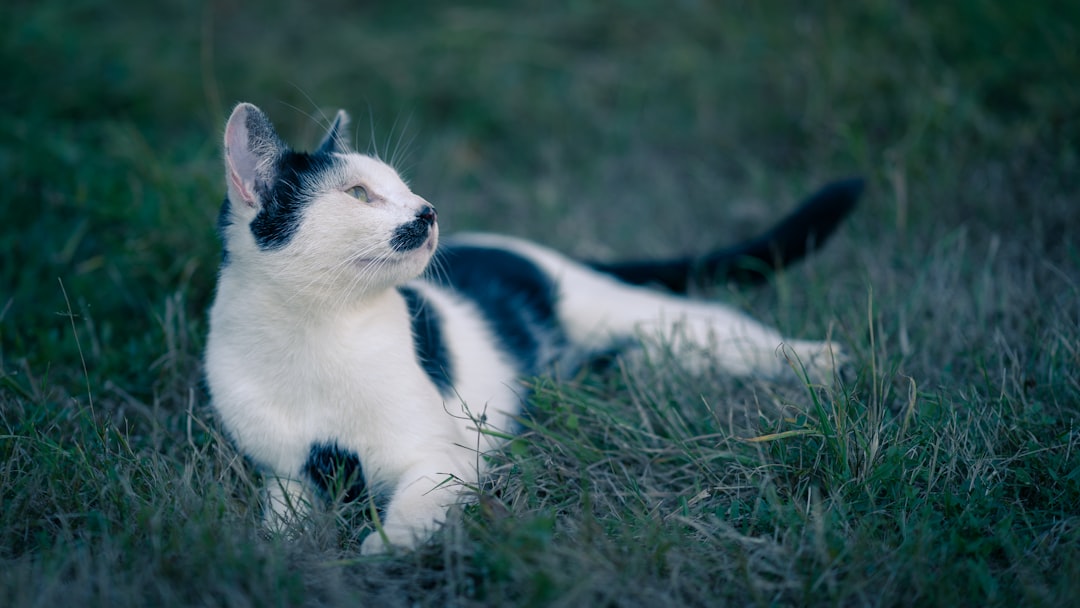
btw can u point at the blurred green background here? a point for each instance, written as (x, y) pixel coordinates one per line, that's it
(639, 128)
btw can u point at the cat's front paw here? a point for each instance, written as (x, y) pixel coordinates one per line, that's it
(374, 545)
(389, 540)
(286, 507)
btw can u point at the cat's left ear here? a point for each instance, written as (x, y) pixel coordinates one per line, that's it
(335, 137)
(252, 151)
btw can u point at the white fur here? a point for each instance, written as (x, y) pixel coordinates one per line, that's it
(310, 342)
(597, 309)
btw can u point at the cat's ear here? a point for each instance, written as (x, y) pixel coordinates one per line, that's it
(252, 149)
(335, 137)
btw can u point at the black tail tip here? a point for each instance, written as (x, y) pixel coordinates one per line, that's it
(808, 227)
(842, 194)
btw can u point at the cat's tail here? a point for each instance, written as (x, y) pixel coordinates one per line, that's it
(753, 261)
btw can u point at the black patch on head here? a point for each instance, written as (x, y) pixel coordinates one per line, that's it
(336, 472)
(413, 234)
(428, 341)
(516, 297)
(285, 198)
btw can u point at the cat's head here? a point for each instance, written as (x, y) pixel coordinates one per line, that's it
(331, 224)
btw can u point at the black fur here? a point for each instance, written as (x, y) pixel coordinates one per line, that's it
(428, 341)
(224, 220)
(334, 470)
(753, 261)
(413, 234)
(284, 198)
(516, 298)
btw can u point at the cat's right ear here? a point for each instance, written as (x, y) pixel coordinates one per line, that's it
(252, 149)
(334, 140)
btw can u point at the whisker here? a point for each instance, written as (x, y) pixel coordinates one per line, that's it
(331, 274)
(436, 269)
(363, 277)
(373, 142)
(316, 116)
(390, 135)
(397, 144)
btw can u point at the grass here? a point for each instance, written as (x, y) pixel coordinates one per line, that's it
(943, 471)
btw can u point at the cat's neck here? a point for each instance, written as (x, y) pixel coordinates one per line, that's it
(302, 301)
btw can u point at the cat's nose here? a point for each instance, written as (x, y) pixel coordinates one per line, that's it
(428, 215)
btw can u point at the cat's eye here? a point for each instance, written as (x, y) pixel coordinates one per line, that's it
(360, 193)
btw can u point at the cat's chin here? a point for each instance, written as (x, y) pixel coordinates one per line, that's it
(424, 251)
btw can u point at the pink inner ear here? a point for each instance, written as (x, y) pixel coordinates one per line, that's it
(240, 187)
(239, 159)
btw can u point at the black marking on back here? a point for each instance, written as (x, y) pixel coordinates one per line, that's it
(428, 341)
(336, 472)
(286, 197)
(516, 298)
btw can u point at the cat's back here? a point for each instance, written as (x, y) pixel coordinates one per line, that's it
(516, 297)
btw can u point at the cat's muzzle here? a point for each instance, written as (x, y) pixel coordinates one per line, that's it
(413, 234)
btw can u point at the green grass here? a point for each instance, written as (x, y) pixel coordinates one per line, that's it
(945, 470)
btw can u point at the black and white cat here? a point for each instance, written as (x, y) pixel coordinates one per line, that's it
(334, 361)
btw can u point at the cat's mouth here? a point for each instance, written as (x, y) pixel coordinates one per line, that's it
(426, 248)
(432, 241)
(416, 234)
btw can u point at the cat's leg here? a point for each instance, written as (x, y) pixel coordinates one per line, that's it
(287, 504)
(598, 311)
(704, 336)
(418, 507)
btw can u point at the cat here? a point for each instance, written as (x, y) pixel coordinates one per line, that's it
(341, 366)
